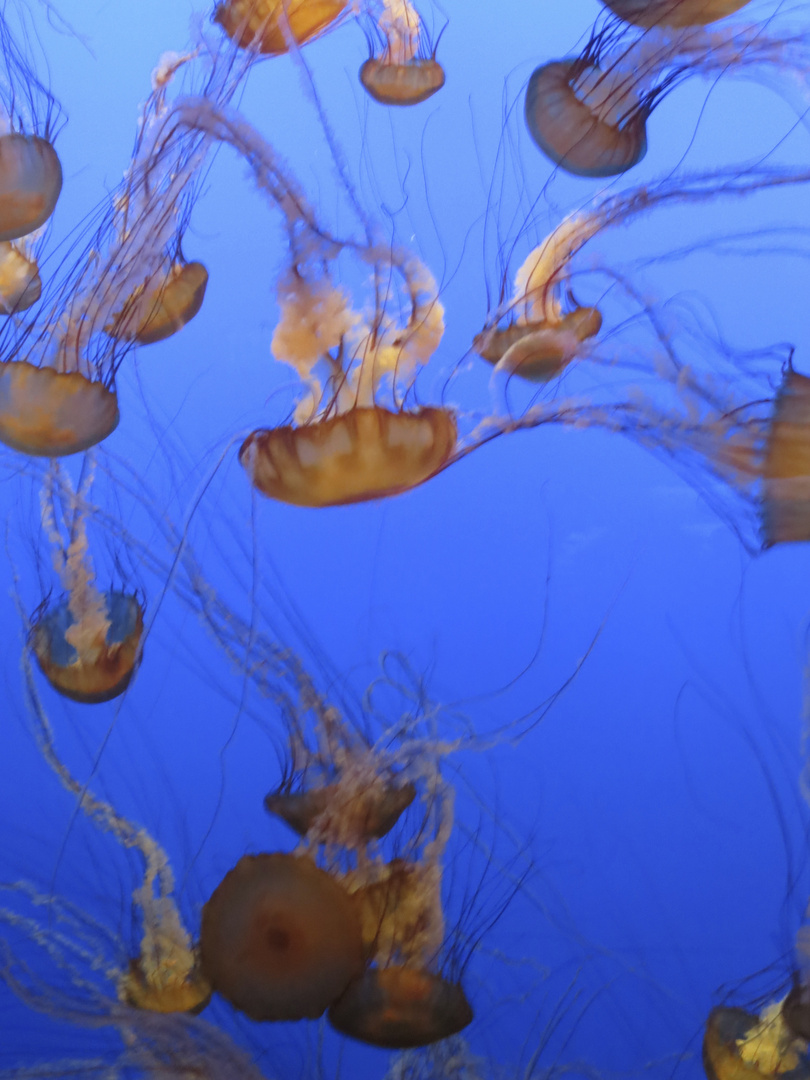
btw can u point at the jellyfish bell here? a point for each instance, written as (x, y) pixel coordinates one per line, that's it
(152, 315)
(366, 453)
(376, 813)
(739, 1045)
(268, 25)
(676, 13)
(280, 938)
(164, 990)
(400, 1008)
(588, 121)
(50, 413)
(30, 183)
(538, 351)
(402, 84)
(786, 469)
(20, 283)
(90, 660)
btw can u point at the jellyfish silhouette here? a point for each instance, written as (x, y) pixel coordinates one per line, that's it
(589, 114)
(404, 73)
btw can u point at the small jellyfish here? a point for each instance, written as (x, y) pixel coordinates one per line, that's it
(88, 644)
(377, 811)
(270, 25)
(280, 938)
(403, 74)
(20, 283)
(589, 114)
(164, 976)
(648, 13)
(151, 316)
(541, 337)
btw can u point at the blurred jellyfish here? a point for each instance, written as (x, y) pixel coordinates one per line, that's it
(589, 115)
(280, 938)
(272, 26)
(165, 976)
(404, 73)
(673, 12)
(786, 468)
(740, 1044)
(30, 171)
(87, 644)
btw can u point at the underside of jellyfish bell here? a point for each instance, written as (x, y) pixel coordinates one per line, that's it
(108, 670)
(400, 1008)
(786, 471)
(366, 453)
(50, 413)
(164, 995)
(156, 315)
(677, 13)
(538, 351)
(30, 183)
(20, 283)
(280, 938)
(375, 817)
(737, 1045)
(573, 133)
(260, 23)
(402, 84)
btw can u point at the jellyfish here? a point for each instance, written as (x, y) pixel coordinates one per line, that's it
(401, 75)
(588, 115)
(131, 285)
(30, 170)
(786, 466)
(740, 1044)
(280, 938)
(20, 283)
(270, 26)
(87, 644)
(648, 13)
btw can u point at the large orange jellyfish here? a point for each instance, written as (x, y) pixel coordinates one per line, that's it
(589, 114)
(270, 26)
(403, 73)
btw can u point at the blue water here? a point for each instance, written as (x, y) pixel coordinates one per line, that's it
(618, 679)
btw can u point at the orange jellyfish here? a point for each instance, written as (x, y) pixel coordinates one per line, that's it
(541, 337)
(349, 445)
(280, 938)
(648, 13)
(20, 283)
(269, 26)
(403, 74)
(589, 114)
(88, 644)
(151, 316)
(164, 976)
(786, 467)
(738, 1045)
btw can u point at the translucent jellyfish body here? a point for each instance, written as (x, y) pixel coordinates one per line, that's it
(268, 25)
(367, 453)
(50, 413)
(280, 939)
(673, 12)
(20, 284)
(155, 314)
(584, 119)
(538, 351)
(30, 183)
(95, 661)
(738, 1045)
(786, 470)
